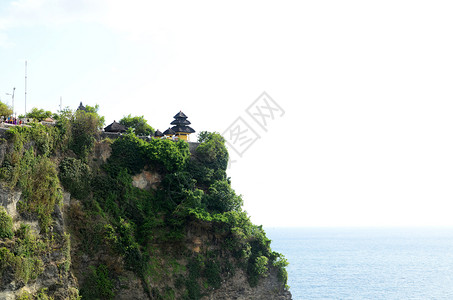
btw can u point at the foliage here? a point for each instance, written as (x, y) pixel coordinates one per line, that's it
(138, 124)
(39, 114)
(222, 198)
(98, 284)
(40, 188)
(43, 138)
(84, 126)
(281, 263)
(129, 223)
(132, 153)
(212, 274)
(25, 295)
(260, 265)
(34, 174)
(212, 151)
(5, 110)
(24, 260)
(127, 153)
(42, 295)
(6, 224)
(75, 176)
(194, 267)
(172, 155)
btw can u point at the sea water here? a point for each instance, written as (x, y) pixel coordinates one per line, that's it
(367, 263)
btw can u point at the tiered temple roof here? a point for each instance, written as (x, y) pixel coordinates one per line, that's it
(181, 124)
(81, 107)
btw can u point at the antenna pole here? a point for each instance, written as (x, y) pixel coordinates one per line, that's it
(60, 104)
(13, 100)
(25, 88)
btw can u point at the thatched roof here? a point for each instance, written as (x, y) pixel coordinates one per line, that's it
(115, 127)
(180, 115)
(181, 123)
(158, 133)
(183, 128)
(169, 131)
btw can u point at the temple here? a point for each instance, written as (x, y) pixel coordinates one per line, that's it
(181, 128)
(115, 127)
(158, 134)
(81, 107)
(169, 134)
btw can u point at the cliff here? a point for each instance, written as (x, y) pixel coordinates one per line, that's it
(92, 218)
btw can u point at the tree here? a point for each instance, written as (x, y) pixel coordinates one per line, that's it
(138, 124)
(222, 198)
(94, 111)
(39, 114)
(85, 125)
(212, 150)
(5, 110)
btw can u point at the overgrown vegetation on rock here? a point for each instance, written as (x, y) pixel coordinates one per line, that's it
(182, 240)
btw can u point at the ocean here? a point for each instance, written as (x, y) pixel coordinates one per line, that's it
(367, 263)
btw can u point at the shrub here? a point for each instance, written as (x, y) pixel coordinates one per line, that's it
(41, 189)
(138, 124)
(212, 274)
(98, 284)
(212, 151)
(260, 266)
(281, 263)
(222, 198)
(6, 224)
(75, 176)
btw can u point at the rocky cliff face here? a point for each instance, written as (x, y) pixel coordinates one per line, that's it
(85, 248)
(32, 264)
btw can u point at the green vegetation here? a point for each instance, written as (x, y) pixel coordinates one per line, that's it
(83, 128)
(6, 224)
(138, 124)
(5, 110)
(75, 175)
(24, 257)
(143, 231)
(99, 284)
(39, 114)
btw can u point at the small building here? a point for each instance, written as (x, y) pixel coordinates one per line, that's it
(158, 134)
(48, 121)
(115, 127)
(169, 133)
(181, 128)
(81, 107)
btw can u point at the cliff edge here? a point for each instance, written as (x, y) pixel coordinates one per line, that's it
(83, 217)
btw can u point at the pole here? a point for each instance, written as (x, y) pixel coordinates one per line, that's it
(13, 100)
(25, 88)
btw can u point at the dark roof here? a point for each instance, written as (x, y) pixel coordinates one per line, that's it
(180, 115)
(180, 121)
(115, 127)
(81, 107)
(182, 128)
(169, 131)
(158, 133)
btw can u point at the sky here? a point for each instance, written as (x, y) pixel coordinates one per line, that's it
(357, 103)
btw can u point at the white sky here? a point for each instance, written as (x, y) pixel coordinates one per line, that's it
(366, 86)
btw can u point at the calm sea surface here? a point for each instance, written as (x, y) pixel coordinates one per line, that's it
(399, 263)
